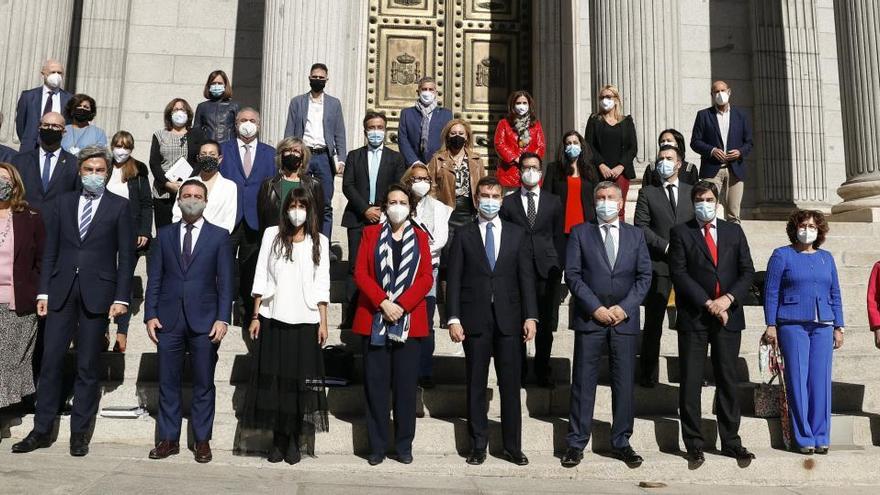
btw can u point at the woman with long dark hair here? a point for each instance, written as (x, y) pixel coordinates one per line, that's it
(688, 173)
(572, 177)
(519, 132)
(289, 325)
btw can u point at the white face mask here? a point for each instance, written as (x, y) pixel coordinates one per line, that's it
(247, 130)
(421, 188)
(427, 97)
(607, 210)
(121, 154)
(807, 236)
(521, 108)
(669, 143)
(397, 213)
(54, 80)
(722, 97)
(666, 168)
(297, 216)
(607, 104)
(531, 177)
(179, 118)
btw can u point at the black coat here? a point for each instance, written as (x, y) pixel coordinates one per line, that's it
(65, 178)
(624, 153)
(269, 200)
(356, 182)
(655, 216)
(140, 202)
(556, 183)
(546, 236)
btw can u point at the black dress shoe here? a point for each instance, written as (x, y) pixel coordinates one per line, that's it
(404, 458)
(572, 457)
(739, 453)
(822, 450)
(375, 459)
(275, 455)
(476, 457)
(518, 458)
(695, 457)
(79, 446)
(31, 442)
(628, 456)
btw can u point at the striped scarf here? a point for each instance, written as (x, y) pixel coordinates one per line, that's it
(394, 283)
(425, 126)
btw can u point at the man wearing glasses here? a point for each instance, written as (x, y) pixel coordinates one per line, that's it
(47, 171)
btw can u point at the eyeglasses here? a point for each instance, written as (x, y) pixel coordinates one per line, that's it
(420, 179)
(54, 127)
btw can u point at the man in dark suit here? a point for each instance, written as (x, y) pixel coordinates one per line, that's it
(33, 104)
(608, 271)
(316, 117)
(421, 125)
(6, 153)
(187, 307)
(492, 310)
(711, 268)
(541, 215)
(658, 209)
(371, 169)
(86, 277)
(722, 136)
(248, 163)
(48, 171)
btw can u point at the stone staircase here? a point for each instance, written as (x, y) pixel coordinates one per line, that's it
(131, 379)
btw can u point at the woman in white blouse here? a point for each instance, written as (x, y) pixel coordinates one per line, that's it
(289, 325)
(222, 193)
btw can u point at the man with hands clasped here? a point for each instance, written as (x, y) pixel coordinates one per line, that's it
(608, 271)
(490, 293)
(188, 303)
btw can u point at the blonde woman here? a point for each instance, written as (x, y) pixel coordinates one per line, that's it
(611, 137)
(455, 171)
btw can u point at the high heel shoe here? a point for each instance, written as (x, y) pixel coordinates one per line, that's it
(292, 456)
(279, 443)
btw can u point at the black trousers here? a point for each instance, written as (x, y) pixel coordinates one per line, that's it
(73, 319)
(391, 372)
(655, 311)
(478, 349)
(354, 235)
(163, 210)
(246, 249)
(547, 291)
(693, 347)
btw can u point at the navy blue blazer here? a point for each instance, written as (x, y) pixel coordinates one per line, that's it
(248, 187)
(65, 178)
(334, 124)
(707, 135)
(409, 134)
(802, 287)
(203, 293)
(28, 114)
(593, 283)
(103, 260)
(6, 154)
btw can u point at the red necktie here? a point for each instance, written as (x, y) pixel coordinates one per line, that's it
(713, 250)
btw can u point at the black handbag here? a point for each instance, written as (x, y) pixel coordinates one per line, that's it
(338, 366)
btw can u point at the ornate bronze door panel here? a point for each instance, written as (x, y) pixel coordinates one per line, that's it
(479, 51)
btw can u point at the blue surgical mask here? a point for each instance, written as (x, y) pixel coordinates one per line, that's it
(93, 183)
(606, 210)
(704, 211)
(665, 168)
(216, 90)
(375, 138)
(489, 207)
(572, 151)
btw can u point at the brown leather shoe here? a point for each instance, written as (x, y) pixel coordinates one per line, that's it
(203, 452)
(164, 449)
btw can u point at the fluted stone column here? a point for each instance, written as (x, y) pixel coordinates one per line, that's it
(102, 56)
(857, 23)
(299, 33)
(35, 30)
(553, 52)
(636, 47)
(789, 154)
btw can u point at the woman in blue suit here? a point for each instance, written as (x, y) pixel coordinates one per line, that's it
(804, 316)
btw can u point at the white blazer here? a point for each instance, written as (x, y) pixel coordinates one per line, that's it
(222, 205)
(440, 234)
(291, 290)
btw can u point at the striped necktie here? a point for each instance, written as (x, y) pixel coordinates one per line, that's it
(86, 218)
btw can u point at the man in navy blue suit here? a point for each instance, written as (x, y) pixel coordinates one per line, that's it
(48, 171)
(33, 104)
(187, 308)
(248, 163)
(86, 277)
(608, 271)
(722, 136)
(421, 125)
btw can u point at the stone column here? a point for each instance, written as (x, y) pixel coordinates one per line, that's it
(789, 153)
(857, 24)
(553, 53)
(299, 33)
(35, 30)
(101, 56)
(635, 46)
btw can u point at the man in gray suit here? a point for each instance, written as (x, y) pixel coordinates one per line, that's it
(658, 209)
(316, 118)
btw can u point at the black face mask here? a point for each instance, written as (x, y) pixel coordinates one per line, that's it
(290, 163)
(50, 137)
(317, 84)
(455, 142)
(81, 115)
(209, 163)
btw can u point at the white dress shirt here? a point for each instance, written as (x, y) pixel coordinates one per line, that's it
(496, 232)
(614, 231)
(222, 203)
(253, 146)
(197, 228)
(713, 230)
(523, 191)
(723, 124)
(56, 99)
(53, 161)
(313, 134)
(115, 184)
(674, 189)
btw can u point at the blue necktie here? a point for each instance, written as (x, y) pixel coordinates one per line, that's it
(86, 218)
(47, 171)
(373, 165)
(490, 245)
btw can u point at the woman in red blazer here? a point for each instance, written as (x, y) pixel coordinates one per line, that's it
(394, 274)
(517, 133)
(874, 303)
(21, 253)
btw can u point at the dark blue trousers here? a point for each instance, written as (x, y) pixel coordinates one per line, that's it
(321, 167)
(173, 344)
(588, 347)
(391, 372)
(807, 349)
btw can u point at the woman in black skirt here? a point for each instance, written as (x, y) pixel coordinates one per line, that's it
(289, 325)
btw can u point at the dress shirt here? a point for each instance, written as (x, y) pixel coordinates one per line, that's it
(674, 189)
(374, 158)
(115, 184)
(222, 202)
(241, 145)
(713, 230)
(723, 124)
(615, 233)
(313, 134)
(523, 191)
(56, 99)
(496, 232)
(53, 161)
(197, 228)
